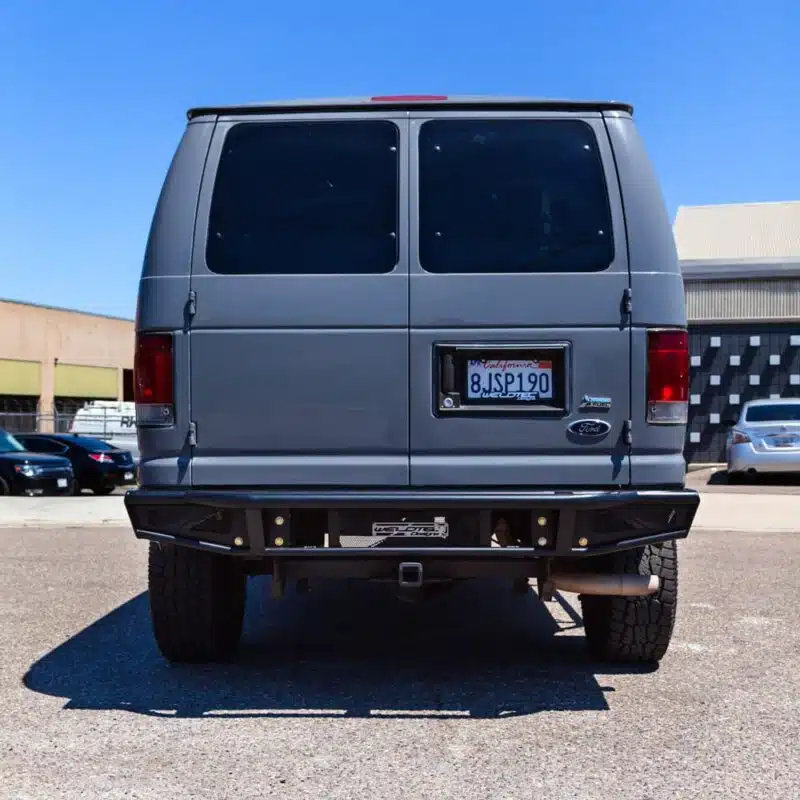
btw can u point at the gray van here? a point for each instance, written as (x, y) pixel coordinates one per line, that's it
(414, 339)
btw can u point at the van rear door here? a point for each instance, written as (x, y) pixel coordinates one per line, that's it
(520, 340)
(299, 337)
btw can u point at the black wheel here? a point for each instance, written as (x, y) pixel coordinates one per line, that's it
(635, 629)
(76, 490)
(103, 490)
(5, 489)
(196, 603)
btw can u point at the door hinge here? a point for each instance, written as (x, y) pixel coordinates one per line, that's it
(627, 432)
(627, 301)
(191, 305)
(191, 437)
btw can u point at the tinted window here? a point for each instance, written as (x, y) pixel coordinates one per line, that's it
(36, 445)
(512, 196)
(777, 413)
(305, 198)
(94, 444)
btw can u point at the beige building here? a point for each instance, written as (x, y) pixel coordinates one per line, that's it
(53, 360)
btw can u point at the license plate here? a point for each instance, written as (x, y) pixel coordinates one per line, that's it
(62, 483)
(128, 476)
(786, 441)
(438, 529)
(521, 380)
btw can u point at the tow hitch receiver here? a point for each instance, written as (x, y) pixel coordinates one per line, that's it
(409, 575)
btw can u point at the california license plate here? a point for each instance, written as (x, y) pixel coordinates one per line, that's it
(61, 483)
(128, 476)
(500, 379)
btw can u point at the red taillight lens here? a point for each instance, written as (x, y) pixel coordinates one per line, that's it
(153, 379)
(102, 458)
(408, 98)
(668, 377)
(739, 437)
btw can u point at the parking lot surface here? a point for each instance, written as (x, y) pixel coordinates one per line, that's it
(345, 693)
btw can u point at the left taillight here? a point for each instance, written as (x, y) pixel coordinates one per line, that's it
(153, 388)
(667, 377)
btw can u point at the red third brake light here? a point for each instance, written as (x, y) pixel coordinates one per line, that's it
(153, 380)
(408, 98)
(668, 377)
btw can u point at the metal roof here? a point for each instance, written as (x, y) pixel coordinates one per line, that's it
(408, 102)
(739, 233)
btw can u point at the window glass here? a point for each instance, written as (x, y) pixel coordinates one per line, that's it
(305, 198)
(94, 444)
(8, 444)
(512, 196)
(780, 412)
(37, 445)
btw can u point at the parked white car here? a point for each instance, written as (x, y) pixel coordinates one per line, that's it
(765, 438)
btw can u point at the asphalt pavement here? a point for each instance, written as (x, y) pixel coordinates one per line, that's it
(345, 693)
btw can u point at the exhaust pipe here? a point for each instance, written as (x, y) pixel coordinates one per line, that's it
(620, 585)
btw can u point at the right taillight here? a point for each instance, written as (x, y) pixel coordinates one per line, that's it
(153, 380)
(668, 377)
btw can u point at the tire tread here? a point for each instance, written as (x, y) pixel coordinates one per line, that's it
(197, 603)
(635, 629)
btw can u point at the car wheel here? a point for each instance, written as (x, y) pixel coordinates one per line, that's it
(5, 489)
(197, 602)
(635, 629)
(103, 490)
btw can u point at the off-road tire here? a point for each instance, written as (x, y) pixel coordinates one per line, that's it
(635, 630)
(197, 603)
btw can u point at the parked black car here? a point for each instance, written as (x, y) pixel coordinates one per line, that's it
(97, 465)
(24, 472)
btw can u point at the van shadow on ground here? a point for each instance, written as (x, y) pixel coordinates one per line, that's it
(341, 651)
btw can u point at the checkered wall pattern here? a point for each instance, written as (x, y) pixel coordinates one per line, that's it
(730, 365)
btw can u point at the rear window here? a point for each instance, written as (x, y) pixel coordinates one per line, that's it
(512, 196)
(784, 412)
(305, 198)
(94, 444)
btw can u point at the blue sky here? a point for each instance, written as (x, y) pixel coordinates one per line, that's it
(93, 94)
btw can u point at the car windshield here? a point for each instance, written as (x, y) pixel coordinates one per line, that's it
(780, 412)
(8, 444)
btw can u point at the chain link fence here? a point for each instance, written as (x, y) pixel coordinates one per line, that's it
(99, 425)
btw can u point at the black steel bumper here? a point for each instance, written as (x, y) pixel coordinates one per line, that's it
(269, 523)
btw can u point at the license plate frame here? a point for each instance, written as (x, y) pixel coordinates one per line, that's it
(62, 483)
(452, 372)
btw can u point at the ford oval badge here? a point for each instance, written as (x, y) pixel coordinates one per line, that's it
(589, 428)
